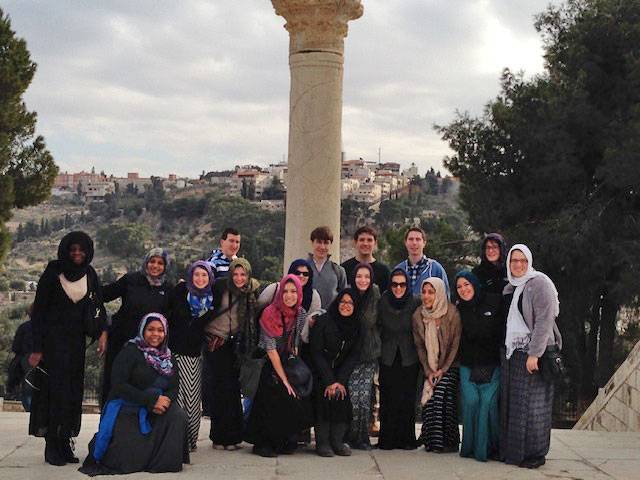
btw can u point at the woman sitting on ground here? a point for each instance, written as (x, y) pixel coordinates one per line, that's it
(142, 428)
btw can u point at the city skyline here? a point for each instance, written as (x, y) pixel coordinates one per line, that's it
(160, 88)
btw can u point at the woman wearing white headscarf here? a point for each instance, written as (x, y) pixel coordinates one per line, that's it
(527, 398)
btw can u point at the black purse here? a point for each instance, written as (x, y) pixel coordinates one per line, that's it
(95, 315)
(297, 371)
(250, 373)
(552, 366)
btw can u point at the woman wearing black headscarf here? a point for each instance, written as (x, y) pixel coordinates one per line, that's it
(66, 290)
(399, 365)
(492, 271)
(142, 292)
(335, 351)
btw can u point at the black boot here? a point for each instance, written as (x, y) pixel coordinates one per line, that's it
(52, 452)
(323, 447)
(64, 445)
(338, 431)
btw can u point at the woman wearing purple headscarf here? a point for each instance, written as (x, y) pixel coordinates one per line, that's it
(191, 307)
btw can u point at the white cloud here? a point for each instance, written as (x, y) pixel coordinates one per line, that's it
(163, 86)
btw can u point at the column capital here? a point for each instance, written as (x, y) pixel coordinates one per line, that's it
(317, 25)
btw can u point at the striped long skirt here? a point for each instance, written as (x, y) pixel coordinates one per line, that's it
(189, 394)
(526, 406)
(361, 392)
(440, 430)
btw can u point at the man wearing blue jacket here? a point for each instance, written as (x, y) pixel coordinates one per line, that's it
(418, 266)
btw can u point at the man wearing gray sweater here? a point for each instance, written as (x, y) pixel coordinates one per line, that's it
(328, 277)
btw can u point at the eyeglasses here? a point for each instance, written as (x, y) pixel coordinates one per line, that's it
(492, 247)
(523, 261)
(398, 284)
(302, 274)
(346, 302)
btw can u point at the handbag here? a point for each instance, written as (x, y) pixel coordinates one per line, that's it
(94, 317)
(299, 375)
(552, 367)
(250, 372)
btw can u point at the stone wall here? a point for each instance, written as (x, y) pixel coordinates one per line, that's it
(617, 406)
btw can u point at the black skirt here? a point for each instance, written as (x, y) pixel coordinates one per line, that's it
(275, 415)
(397, 405)
(164, 449)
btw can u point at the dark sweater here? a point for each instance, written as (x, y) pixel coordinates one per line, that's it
(396, 331)
(482, 332)
(186, 334)
(493, 279)
(138, 299)
(334, 357)
(132, 376)
(381, 272)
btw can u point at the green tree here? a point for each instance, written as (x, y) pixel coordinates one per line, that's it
(554, 163)
(124, 240)
(27, 169)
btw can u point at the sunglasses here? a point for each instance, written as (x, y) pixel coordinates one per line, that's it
(398, 284)
(303, 274)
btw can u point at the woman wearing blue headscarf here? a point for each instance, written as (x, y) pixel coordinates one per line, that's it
(142, 429)
(482, 333)
(191, 308)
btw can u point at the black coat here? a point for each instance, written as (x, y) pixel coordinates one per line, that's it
(483, 328)
(132, 376)
(396, 331)
(186, 335)
(333, 356)
(138, 299)
(58, 332)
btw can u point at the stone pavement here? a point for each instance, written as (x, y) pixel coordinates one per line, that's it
(575, 455)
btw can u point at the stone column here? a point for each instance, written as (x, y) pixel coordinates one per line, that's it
(317, 29)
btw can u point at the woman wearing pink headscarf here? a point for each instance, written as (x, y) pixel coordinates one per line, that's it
(279, 410)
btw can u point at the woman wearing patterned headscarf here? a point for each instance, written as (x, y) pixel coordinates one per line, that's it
(191, 307)
(436, 333)
(141, 292)
(399, 366)
(526, 396)
(66, 289)
(482, 334)
(230, 336)
(141, 427)
(280, 410)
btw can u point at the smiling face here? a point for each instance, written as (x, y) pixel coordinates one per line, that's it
(154, 333)
(518, 264)
(492, 250)
(366, 244)
(428, 295)
(363, 279)
(398, 285)
(465, 289)
(346, 305)
(155, 266)
(302, 272)
(239, 277)
(230, 245)
(200, 278)
(77, 254)
(415, 244)
(320, 248)
(290, 295)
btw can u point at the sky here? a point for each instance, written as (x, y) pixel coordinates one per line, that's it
(159, 86)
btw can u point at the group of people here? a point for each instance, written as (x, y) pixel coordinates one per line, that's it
(316, 349)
